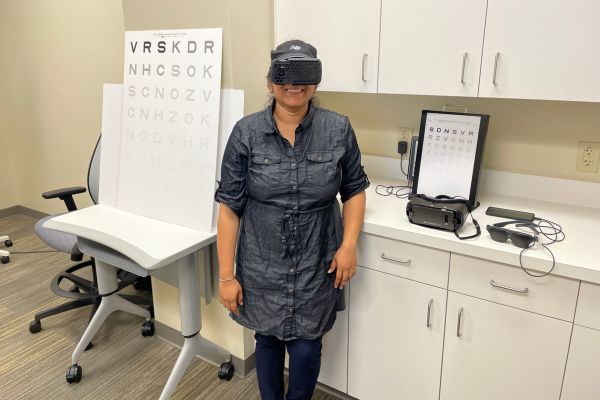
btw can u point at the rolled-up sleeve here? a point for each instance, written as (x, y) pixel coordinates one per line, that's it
(234, 168)
(354, 178)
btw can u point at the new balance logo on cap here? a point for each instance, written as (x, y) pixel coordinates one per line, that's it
(295, 47)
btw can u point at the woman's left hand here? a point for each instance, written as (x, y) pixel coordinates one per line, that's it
(344, 263)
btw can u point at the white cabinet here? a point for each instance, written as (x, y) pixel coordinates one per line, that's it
(334, 360)
(581, 376)
(431, 47)
(498, 352)
(393, 353)
(542, 49)
(345, 33)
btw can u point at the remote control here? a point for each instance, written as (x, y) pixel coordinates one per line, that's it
(510, 214)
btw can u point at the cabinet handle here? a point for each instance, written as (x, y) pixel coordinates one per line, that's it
(522, 291)
(399, 260)
(462, 73)
(458, 324)
(364, 60)
(429, 313)
(496, 67)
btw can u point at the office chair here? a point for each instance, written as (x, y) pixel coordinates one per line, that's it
(4, 254)
(83, 291)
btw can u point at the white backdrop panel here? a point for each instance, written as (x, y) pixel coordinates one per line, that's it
(232, 110)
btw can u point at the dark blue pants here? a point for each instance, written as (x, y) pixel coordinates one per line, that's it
(304, 367)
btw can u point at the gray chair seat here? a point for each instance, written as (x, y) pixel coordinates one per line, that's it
(61, 241)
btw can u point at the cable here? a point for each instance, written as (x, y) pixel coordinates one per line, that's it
(553, 232)
(402, 169)
(393, 190)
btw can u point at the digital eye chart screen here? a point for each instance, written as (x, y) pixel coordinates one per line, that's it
(449, 154)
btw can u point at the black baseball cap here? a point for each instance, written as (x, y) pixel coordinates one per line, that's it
(294, 49)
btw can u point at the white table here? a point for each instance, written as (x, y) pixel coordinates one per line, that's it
(119, 239)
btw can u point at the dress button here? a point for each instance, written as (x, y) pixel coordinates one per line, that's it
(320, 158)
(292, 270)
(290, 310)
(293, 165)
(294, 187)
(290, 290)
(266, 160)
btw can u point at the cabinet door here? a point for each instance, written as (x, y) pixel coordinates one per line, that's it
(334, 360)
(345, 33)
(431, 47)
(392, 353)
(542, 49)
(581, 377)
(500, 353)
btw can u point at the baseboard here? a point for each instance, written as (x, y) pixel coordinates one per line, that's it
(207, 352)
(7, 212)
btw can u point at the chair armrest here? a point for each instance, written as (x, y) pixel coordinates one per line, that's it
(66, 195)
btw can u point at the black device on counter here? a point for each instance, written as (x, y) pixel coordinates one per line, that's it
(510, 214)
(441, 212)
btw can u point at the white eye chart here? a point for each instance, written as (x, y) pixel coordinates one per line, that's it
(450, 153)
(170, 125)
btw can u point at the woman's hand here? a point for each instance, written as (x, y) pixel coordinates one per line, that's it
(344, 263)
(230, 293)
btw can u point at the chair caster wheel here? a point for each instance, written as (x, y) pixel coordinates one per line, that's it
(35, 326)
(74, 373)
(74, 289)
(226, 371)
(8, 243)
(148, 328)
(4, 259)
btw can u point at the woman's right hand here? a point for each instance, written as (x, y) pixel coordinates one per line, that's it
(230, 293)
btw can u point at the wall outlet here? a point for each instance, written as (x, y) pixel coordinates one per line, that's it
(405, 134)
(588, 156)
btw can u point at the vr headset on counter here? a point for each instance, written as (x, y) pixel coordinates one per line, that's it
(441, 212)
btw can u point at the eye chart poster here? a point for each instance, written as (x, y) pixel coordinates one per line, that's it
(449, 154)
(170, 125)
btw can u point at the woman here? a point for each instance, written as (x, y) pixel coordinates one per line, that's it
(281, 172)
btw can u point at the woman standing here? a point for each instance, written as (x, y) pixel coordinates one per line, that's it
(282, 170)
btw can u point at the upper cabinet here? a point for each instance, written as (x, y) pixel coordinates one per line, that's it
(431, 47)
(535, 49)
(345, 33)
(542, 49)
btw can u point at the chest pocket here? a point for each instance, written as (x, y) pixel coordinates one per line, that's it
(320, 168)
(266, 168)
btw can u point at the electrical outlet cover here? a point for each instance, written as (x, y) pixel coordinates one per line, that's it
(588, 156)
(405, 133)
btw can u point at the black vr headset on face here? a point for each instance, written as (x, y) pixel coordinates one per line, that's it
(295, 62)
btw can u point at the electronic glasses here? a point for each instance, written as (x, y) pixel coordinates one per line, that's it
(519, 239)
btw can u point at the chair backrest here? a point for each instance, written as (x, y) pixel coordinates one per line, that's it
(93, 178)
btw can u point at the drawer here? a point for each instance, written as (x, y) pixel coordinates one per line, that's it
(552, 296)
(588, 306)
(419, 263)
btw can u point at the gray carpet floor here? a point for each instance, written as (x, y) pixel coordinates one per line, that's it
(121, 365)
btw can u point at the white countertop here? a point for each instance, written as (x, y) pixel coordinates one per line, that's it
(578, 256)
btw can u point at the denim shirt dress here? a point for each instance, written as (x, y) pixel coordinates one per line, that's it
(290, 220)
